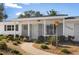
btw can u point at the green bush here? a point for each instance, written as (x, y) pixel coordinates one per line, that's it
(3, 46)
(15, 43)
(21, 37)
(44, 46)
(11, 37)
(61, 38)
(52, 40)
(2, 37)
(65, 51)
(18, 42)
(40, 39)
(16, 52)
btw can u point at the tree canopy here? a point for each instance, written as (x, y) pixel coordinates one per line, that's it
(2, 13)
(30, 13)
(52, 13)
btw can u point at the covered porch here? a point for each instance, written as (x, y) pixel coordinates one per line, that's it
(46, 27)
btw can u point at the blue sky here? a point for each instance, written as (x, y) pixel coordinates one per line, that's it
(13, 10)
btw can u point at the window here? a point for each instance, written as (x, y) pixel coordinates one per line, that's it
(25, 27)
(51, 29)
(4, 27)
(10, 27)
(16, 28)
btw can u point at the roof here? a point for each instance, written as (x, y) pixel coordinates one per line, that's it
(46, 17)
(39, 18)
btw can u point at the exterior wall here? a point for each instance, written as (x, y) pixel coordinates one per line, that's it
(76, 32)
(36, 28)
(1, 28)
(69, 29)
(9, 32)
(34, 31)
(60, 29)
(41, 30)
(24, 30)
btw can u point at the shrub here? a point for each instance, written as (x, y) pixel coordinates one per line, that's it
(1, 53)
(65, 51)
(17, 35)
(70, 38)
(11, 37)
(40, 39)
(15, 43)
(52, 40)
(3, 46)
(18, 42)
(16, 52)
(61, 38)
(21, 37)
(2, 37)
(44, 46)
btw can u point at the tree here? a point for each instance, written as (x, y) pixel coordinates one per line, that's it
(52, 13)
(30, 13)
(2, 13)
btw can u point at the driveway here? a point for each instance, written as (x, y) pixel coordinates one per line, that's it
(32, 50)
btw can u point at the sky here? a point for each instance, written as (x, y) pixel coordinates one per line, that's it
(14, 10)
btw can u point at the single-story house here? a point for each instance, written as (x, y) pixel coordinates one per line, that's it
(41, 26)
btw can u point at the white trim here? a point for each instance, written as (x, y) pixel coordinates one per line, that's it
(28, 28)
(14, 30)
(40, 18)
(44, 27)
(63, 26)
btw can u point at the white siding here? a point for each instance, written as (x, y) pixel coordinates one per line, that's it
(9, 32)
(34, 31)
(69, 29)
(76, 32)
(1, 28)
(60, 29)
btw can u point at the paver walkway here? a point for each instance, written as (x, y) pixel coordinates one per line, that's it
(33, 51)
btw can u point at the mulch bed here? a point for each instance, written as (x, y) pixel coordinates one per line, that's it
(57, 50)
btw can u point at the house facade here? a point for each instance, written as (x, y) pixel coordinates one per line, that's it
(41, 26)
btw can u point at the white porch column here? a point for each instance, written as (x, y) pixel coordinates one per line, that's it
(29, 28)
(14, 30)
(63, 26)
(44, 27)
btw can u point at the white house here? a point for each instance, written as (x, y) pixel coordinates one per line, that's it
(42, 26)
